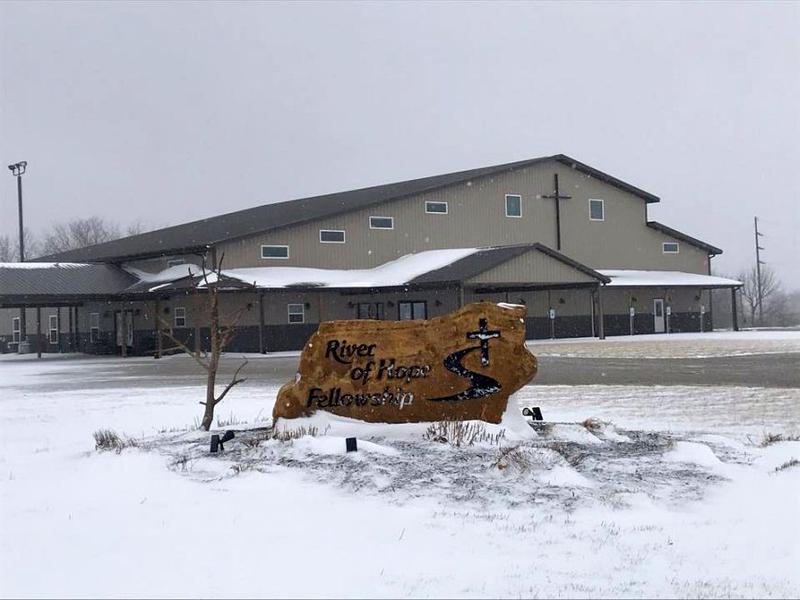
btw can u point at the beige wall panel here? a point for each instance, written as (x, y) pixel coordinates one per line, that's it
(617, 301)
(477, 218)
(531, 267)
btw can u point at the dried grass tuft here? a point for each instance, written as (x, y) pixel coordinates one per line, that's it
(108, 439)
(462, 433)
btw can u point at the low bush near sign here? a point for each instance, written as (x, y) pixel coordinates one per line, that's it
(462, 433)
(774, 438)
(108, 439)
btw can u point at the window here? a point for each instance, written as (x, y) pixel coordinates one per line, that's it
(370, 310)
(297, 313)
(274, 251)
(436, 208)
(670, 247)
(15, 330)
(174, 262)
(179, 316)
(94, 327)
(596, 210)
(331, 236)
(408, 311)
(381, 222)
(52, 329)
(513, 205)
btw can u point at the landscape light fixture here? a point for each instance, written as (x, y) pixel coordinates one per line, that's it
(18, 169)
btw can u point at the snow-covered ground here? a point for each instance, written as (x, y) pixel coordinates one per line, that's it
(675, 345)
(677, 497)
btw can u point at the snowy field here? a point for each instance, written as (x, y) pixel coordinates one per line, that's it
(683, 345)
(671, 493)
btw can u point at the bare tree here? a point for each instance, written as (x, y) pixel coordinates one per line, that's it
(770, 285)
(79, 233)
(9, 247)
(7, 254)
(221, 336)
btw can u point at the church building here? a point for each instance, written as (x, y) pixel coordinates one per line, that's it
(571, 243)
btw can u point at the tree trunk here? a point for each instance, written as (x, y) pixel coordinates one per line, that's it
(213, 363)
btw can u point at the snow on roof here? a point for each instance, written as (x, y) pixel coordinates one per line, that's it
(633, 278)
(167, 275)
(394, 273)
(43, 265)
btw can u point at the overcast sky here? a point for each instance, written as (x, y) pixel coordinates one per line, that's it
(170, 112)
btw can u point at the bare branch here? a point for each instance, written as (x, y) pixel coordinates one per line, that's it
(179, 344)
(234, 381)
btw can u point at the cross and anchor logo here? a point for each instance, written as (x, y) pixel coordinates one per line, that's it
(480, 385)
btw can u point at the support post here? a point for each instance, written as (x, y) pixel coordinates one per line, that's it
(261, 347)
(157, 325)
(71, 334)
(38, 332)
(77, 332)
(734, 312)
(460, 296)
(601, 325)
(123, 334)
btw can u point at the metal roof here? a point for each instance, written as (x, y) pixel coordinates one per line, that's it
(684, 237)
(197, 235)
(31, 281)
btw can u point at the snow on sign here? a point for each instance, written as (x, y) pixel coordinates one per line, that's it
(460, 366)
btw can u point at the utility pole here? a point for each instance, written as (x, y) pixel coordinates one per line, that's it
(17, 170)
(759, 262)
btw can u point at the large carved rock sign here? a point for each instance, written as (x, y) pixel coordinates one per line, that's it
(461, 366)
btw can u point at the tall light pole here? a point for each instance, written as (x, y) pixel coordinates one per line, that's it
(17, 170)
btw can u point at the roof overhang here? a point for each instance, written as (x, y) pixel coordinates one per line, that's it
(712, 250)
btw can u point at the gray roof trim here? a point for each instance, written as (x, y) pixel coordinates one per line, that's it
(198, 235)
(606, 178)
(684, 237)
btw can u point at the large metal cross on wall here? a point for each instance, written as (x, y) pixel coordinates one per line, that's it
(557, 197)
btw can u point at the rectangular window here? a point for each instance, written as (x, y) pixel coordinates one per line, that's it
(513, 205)
(52, 329)
(297, 313)
(670, 247)
(370, 310)
(274, 251)
(436, 208)
(331, 236)
(381, 222)
(94, 327)
(407, 311)
(179, 316)
(596, 210)
(15, 330)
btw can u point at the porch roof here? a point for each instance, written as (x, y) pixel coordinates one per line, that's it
(669, 279)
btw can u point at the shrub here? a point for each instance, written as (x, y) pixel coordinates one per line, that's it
(108, 439)
(461, 433)
(774, 438)
(513, 457)
(788, 465)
